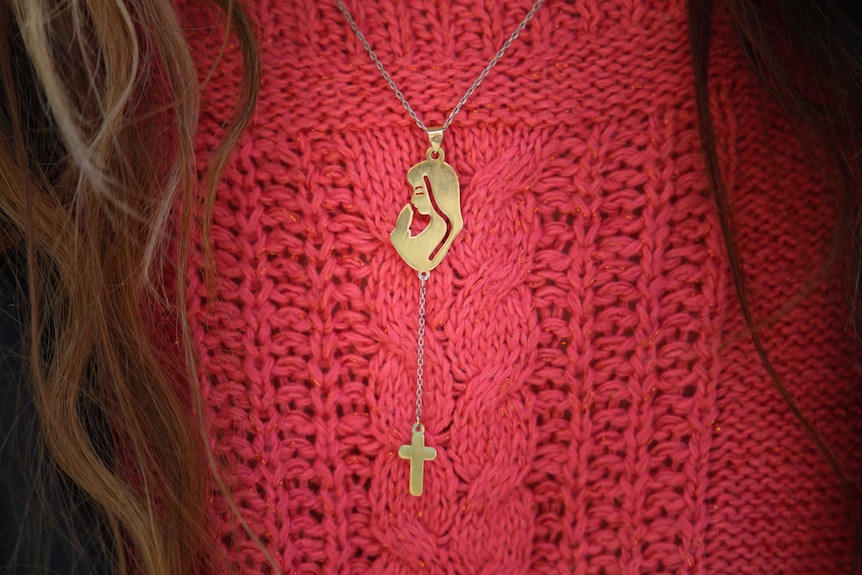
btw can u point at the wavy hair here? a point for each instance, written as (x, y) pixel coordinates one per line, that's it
(99, 108)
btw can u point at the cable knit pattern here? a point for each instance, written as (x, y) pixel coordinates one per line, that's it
(595, 402)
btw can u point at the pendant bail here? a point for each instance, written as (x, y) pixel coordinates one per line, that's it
(435, 135)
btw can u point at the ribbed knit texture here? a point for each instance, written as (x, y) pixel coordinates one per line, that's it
(594, 398)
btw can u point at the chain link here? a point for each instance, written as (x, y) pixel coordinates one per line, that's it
(420, 362)
(470, 90)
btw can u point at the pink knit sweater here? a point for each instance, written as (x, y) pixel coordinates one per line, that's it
(594, 398)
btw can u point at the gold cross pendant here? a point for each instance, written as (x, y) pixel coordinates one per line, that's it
(417, 453)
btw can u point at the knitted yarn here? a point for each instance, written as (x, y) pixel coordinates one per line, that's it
(595, 401)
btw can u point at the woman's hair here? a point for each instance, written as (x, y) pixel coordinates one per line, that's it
(98, 107)
(808, 56)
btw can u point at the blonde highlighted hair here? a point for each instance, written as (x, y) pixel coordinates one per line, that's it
(94, 93)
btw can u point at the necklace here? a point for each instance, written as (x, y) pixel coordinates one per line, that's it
(436, 194)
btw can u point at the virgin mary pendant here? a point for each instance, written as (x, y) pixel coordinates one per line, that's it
(436, 194)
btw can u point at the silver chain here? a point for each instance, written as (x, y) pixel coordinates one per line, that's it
(470, 90)
(420, 362)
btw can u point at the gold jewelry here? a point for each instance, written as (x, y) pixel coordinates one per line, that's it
(436, 194)
(433, 182)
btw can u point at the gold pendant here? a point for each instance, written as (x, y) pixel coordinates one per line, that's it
(418, 454)
(436, 194)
